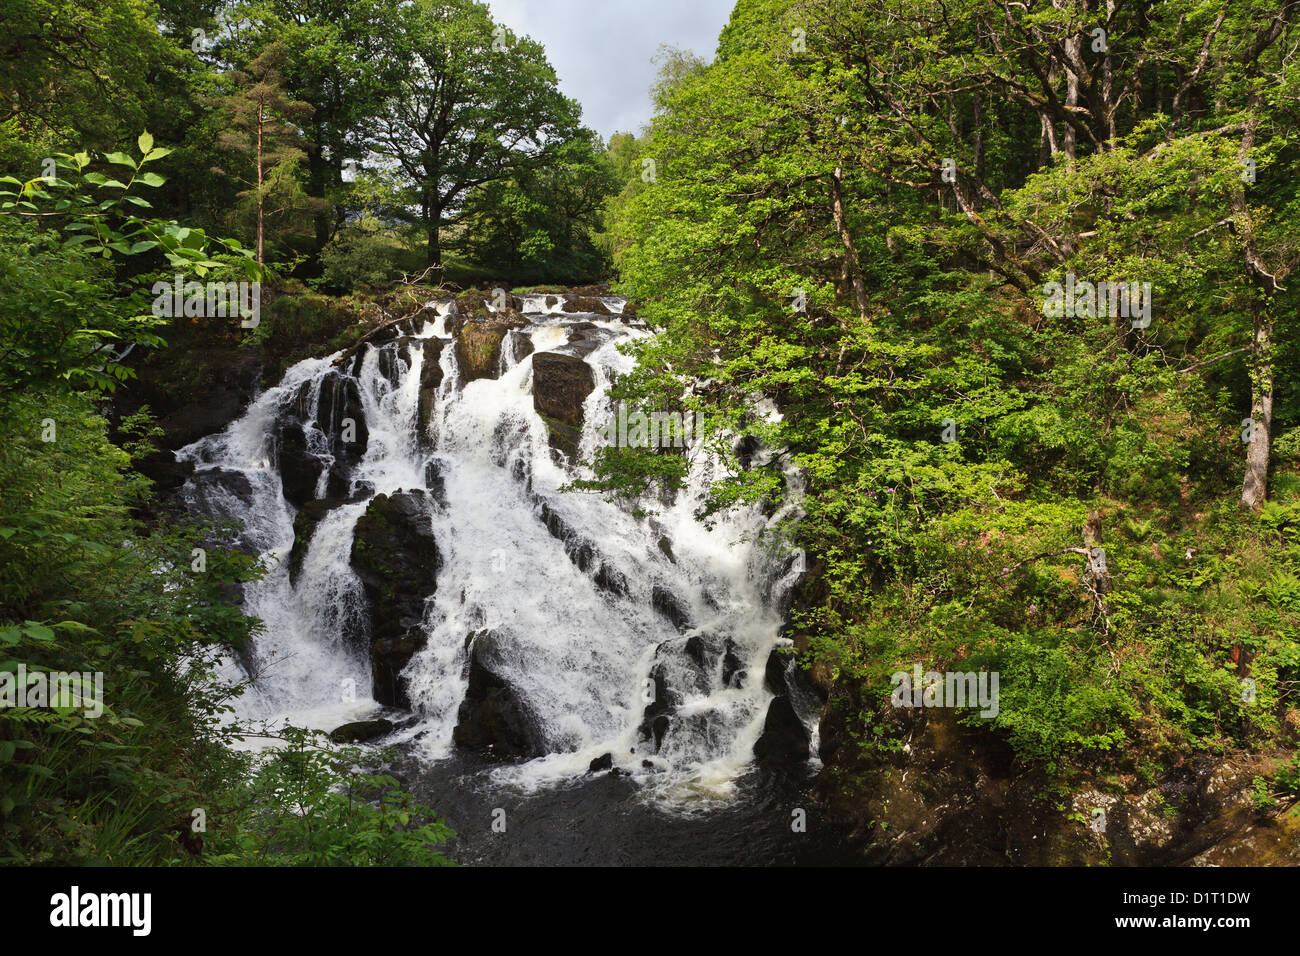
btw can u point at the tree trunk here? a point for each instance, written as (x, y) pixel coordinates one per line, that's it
(850, 273)
(260, 180)
(435, 243)
(1254, 487)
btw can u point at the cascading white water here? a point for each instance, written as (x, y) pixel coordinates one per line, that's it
(585, 658)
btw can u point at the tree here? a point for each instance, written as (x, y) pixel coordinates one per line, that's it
(475, 105)
(540, 224)
(341, 60)
(264, 128)
(856, 212)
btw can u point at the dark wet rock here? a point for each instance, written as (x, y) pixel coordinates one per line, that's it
(167, 474)
(666, 548)
(493, 717)
(603, 762)
(784, 741)
(360, 731)
(785, 738)
(300, 470)
(746, 449)
(435, 481)
(191, 392)
(733, 668)
(698, 651)
(583, 553)
(561, 384)
(209, 485)
(521, 470)
(611, 579)
(584, 338)
(396, 558)
(430, 380)
(671, 607)
(774, 674)
(304, 526)
(586, 303)
(388, 658)
(521, 346)
(341, 417)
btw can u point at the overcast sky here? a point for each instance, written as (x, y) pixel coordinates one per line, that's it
(601, 49)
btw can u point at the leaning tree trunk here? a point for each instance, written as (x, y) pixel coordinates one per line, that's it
(850, 270)
(1254, 487)
(261, 179)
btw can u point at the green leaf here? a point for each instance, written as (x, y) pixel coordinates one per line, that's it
(38, 632)
(151, 179)
(145, 142)
(121, 159)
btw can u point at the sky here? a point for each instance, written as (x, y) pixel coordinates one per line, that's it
(602, 49)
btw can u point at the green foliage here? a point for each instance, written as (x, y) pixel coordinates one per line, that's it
(308, 806)
(540, 224)
(89, 593)
(807, 170)
(364, 253)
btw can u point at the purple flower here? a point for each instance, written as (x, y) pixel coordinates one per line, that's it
(889, 491)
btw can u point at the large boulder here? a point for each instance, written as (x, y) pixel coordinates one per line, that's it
(359, 731)
(785, 740)
(304, 526)
(478, 343)
(561, 384)
(494, 718)
(430, 380)
(396, 558)
(300, 470)
(341, 417)
(586, 303)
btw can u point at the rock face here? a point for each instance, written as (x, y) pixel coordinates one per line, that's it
(784, 741)
(430, 379)
(396, 558)
(493, 718)
(299, 468)
(561, 384)
(341, 445)
(342, 418)
(586, 303)
(304, 526)
(359, 731)
(478, 343)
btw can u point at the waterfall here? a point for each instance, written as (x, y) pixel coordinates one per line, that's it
(552, 627)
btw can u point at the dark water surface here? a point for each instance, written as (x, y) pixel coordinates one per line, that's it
(605, 820)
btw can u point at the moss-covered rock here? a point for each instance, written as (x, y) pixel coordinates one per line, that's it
(561, 384)
(395, 556)
(586, 303)
(478, 343)
(430, 380)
